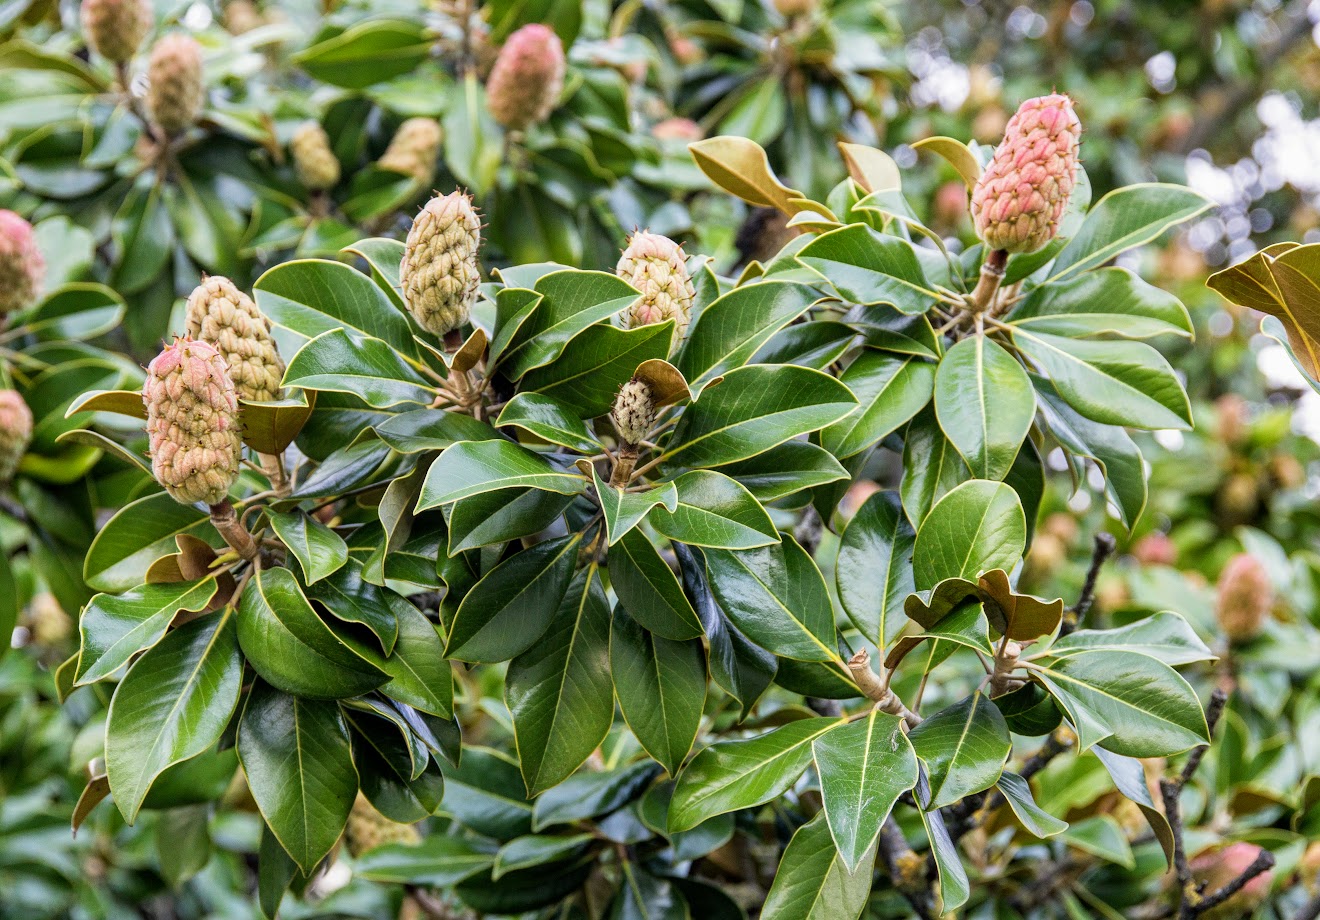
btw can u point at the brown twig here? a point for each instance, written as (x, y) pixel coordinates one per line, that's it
(1072, 619)
(876, 688)
(234, 533)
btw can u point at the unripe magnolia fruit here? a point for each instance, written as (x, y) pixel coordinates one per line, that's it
(1245, 597)
(222, 315)
(1155, 549)
(175, 90)
(791, 9)
(1020, 198)
(22, 268)
(15, 432)
(413, 149)
(656, 266)
(115, 28)
(1219, 867)
(313, 159)
(192, 422)
(634, 411)
(1231, 414)
(368, 829)
(439, 273)
(527, 78)
(683, 130)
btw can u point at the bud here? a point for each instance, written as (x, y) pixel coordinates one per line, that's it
(22, 268)
(15, 433)
(115, 28)
(368, 829)
(1062, 525)
(1155, 549)
(313, 160)
(1231, 415)
(634, 411)
(1245, 597)
(950, 203)
(413, 149)
(439, 274)
(175, 90)
(1047, 553)
(656, 266)
(1021, 196)
(220, 314)
(1287, 471)
(1219, 867)
(192, 422)
(1238, 498)
(242, 16)
(527, 78)
(681, 130)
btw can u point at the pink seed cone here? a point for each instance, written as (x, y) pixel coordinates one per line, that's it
(527, 78)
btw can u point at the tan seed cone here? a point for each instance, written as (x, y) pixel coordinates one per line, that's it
(175, 90)
(22, 269)
(439, 272)
(115, 28)
(527, 78)
(1245, 598)
(192, 422)
(221, 314)
(15, 433)
(313, 159)
(368, 829)
(634, 411)
(656, 266)
(49, 625)
(414, 148)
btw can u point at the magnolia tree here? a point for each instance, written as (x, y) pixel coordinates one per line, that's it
(567, 565)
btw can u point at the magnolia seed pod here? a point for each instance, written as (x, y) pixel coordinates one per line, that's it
(656, 266)
(1155, 549)
(115, 28)
(439, 273)
(527, 78)
(1245, 598)
(634, 411)
(15, 433)
(22, 269)
(175, 90)
(221, 314)
(413, 149)
(1020, 198)
(313, 159)
(192, 422)
(367, 829)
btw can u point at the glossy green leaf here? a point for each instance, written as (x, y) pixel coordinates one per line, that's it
(1164, 635)
(114, 628)
(549, 419)
(365, 367)
(439, 860)
(299, 765)
(864, 766)
(432, 429)
(537, 849)
(319, 550)
(1118, 383)
(650, 591)
(813, 883)
(1130, 703)
(314, 296)
(867, 267)
(754, 409)
(965, 747)
(710, 509)
(501, 516)
(976, 527)
(1111, 301)
(514, 604)
(419, 675)
(1125, 218)
(288, 644)
(587, 376)
(571, 301)
(891, 389)
(591, 793)
(985, 405)
(352, 599)
(791, 467)
(1034, 818)
(872, 573)
(625, 510)
(732, 775)
(777, 596)
(139, 534)
(366, 53)
(954, 887)
(559, 692)
(735, 325)
(1102, 836)
(1110, 447)
(171, 705)
(661, 686)
(932, 466)
(473, 467)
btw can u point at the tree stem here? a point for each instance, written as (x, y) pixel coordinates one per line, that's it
(235, 534)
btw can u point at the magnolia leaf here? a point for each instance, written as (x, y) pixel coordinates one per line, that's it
(872, 169)
(956, 153)
(740, 166)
